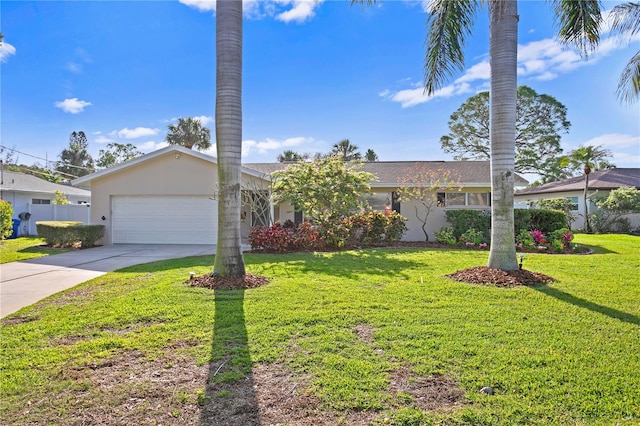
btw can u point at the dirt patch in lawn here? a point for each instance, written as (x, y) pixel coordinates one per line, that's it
(432, 393)
(227, 283)
(499, 278)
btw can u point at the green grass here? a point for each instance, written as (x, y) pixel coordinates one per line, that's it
(564, 354)
(24, 248)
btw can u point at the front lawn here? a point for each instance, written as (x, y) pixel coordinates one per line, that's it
(23, 248)
(355, 338)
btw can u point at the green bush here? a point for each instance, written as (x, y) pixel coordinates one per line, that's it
(367, 229)
(521, 219)
(472, 236)
(547, 220)
(524, 239)
(446, 236)
(6, 219)
(68, 234)
(461, 220)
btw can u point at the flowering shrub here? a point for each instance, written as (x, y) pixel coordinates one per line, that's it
(282, 238)
(538, 237)
(472, 237)
(524, 240)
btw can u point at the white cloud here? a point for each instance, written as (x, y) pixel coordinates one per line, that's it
(103, 139)
(269, 145)
(616, 140)
(412, 97)
(300, 11)
(73, 67)
(202, 5)
(138, 132)
(204, 119)
(151, 146)
(479, 71)
(6, 50)
(73, 105)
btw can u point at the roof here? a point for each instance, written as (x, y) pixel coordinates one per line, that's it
(22, 182)
(605, 180)
(86, 180)
(389, 173)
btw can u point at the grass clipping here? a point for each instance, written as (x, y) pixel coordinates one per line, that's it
(499, 278)
(228, 283)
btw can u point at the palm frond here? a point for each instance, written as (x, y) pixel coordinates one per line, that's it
(450, 23)
(626, 18)
(628, 90)
(579, 22)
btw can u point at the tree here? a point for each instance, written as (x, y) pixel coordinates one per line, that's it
(348, 151)
(326, 189)
(190, 133)
(116, 153)
(421, 185)
(76, 161)
(290, 156)
(450, 25)
(229, 261)
(539, 121)
(60, 198)
(370, 155)
(588, 158)
(626, 20)
(6, 219)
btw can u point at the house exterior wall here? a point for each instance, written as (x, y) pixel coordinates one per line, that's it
(169, 174)
(578, 214)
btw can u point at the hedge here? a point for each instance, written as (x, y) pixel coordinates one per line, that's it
(68, 234)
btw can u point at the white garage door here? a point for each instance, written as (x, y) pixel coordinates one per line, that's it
(176, 219)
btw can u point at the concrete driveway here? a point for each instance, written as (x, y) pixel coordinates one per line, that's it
(24, 283)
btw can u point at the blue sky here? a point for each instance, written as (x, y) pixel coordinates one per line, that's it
(314, 73)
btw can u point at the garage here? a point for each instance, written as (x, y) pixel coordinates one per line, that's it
(163, 219)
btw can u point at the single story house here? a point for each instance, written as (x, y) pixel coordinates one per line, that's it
(169, 196)
(35, 196)
(600, 183)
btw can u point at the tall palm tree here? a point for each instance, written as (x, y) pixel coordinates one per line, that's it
(450, 25)
(190, 133)
(348, 151)
(626, 20)
(229, 261)
(589, 158)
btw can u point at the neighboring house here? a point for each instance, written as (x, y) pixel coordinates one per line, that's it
(35, 196)
(600, 184)
(169, 196)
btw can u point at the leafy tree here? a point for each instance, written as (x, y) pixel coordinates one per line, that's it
(589, 158)
(325, 190)
(451, 23)
(6, 219)
(190, 133)
(626, 20)
(60, 198)
(348, 151)
(539, 121)
(290, 156)
(76, 161)
(620, 202)
(116, 153)
(371, 155)
(562, 204)
(421, 185)
(229, 261)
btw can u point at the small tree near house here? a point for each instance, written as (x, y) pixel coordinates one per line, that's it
(421, 185)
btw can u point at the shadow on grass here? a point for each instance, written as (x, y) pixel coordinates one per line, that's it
(345, 264)
(229, 397)
(593, 307)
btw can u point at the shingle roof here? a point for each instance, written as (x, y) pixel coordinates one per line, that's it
(15, 181)
(606, 179)
(389, 173)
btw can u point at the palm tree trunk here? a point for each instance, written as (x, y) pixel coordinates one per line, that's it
(503, 53)
(229, 261)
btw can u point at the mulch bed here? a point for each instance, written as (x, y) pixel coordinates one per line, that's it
(228, 283)
(499, 278)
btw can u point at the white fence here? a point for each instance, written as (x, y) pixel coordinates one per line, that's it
(44, 212)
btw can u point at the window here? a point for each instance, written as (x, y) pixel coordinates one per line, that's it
(461, 199)
(478, 198)
(574, 203)
(384, 202)
(40, 201)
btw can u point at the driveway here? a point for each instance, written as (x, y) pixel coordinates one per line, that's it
(24, 283)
